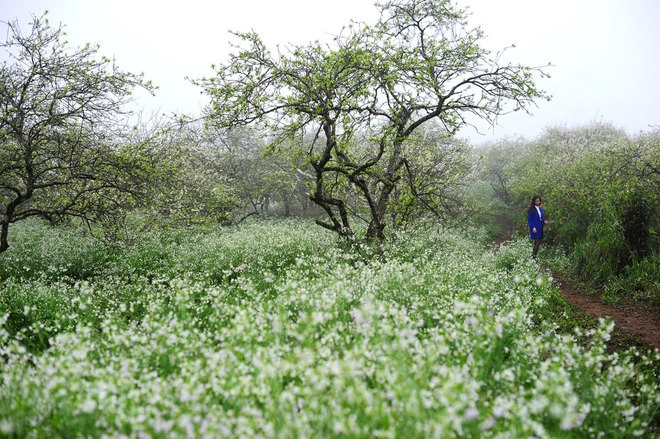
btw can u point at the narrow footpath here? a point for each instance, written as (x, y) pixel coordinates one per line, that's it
(632, 319)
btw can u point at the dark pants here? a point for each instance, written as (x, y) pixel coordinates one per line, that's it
(535, 250)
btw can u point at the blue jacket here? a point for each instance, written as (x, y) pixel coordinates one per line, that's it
(534, 220)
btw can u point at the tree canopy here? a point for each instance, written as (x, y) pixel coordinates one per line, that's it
(353, 107)
(61, 154)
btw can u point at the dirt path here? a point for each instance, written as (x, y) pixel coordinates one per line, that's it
(631, 318)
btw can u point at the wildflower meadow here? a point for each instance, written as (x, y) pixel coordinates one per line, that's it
(276, 329)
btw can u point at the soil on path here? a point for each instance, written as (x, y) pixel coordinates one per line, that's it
(636, 320)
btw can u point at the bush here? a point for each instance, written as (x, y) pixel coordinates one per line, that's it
(640, 281)
(620, 236)
(602, 254)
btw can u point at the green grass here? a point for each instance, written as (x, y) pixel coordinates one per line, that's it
(273, 329)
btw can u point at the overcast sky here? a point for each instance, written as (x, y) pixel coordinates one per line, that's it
(605, 53)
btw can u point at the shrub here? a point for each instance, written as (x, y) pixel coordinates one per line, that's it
(619, 236)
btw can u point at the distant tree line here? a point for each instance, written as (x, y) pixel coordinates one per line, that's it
(359, 131)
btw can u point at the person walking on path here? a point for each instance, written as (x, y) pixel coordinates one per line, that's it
(536, 221)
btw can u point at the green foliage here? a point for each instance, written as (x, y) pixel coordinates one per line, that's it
(61, 154)
(497, 167)
(602, 254)
(42, 251)
(618, 239)
(600, 190)
(36, 310)
(356, 109)
(436, 180)
(186, 183)
(572, 171)
(638, 209)
(507, 257)
(640, 280)
(260, 331)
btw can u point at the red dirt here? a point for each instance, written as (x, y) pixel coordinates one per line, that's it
(634, 319)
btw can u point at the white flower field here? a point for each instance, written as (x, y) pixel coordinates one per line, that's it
(274, 329)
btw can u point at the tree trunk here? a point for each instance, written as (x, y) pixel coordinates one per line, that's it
(375, 229)
(380, 207)
(4, 232)
(4, 227)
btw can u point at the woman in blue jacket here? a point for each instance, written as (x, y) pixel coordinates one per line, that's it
(536, 221)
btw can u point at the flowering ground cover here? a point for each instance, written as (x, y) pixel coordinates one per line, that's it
(274, 329)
